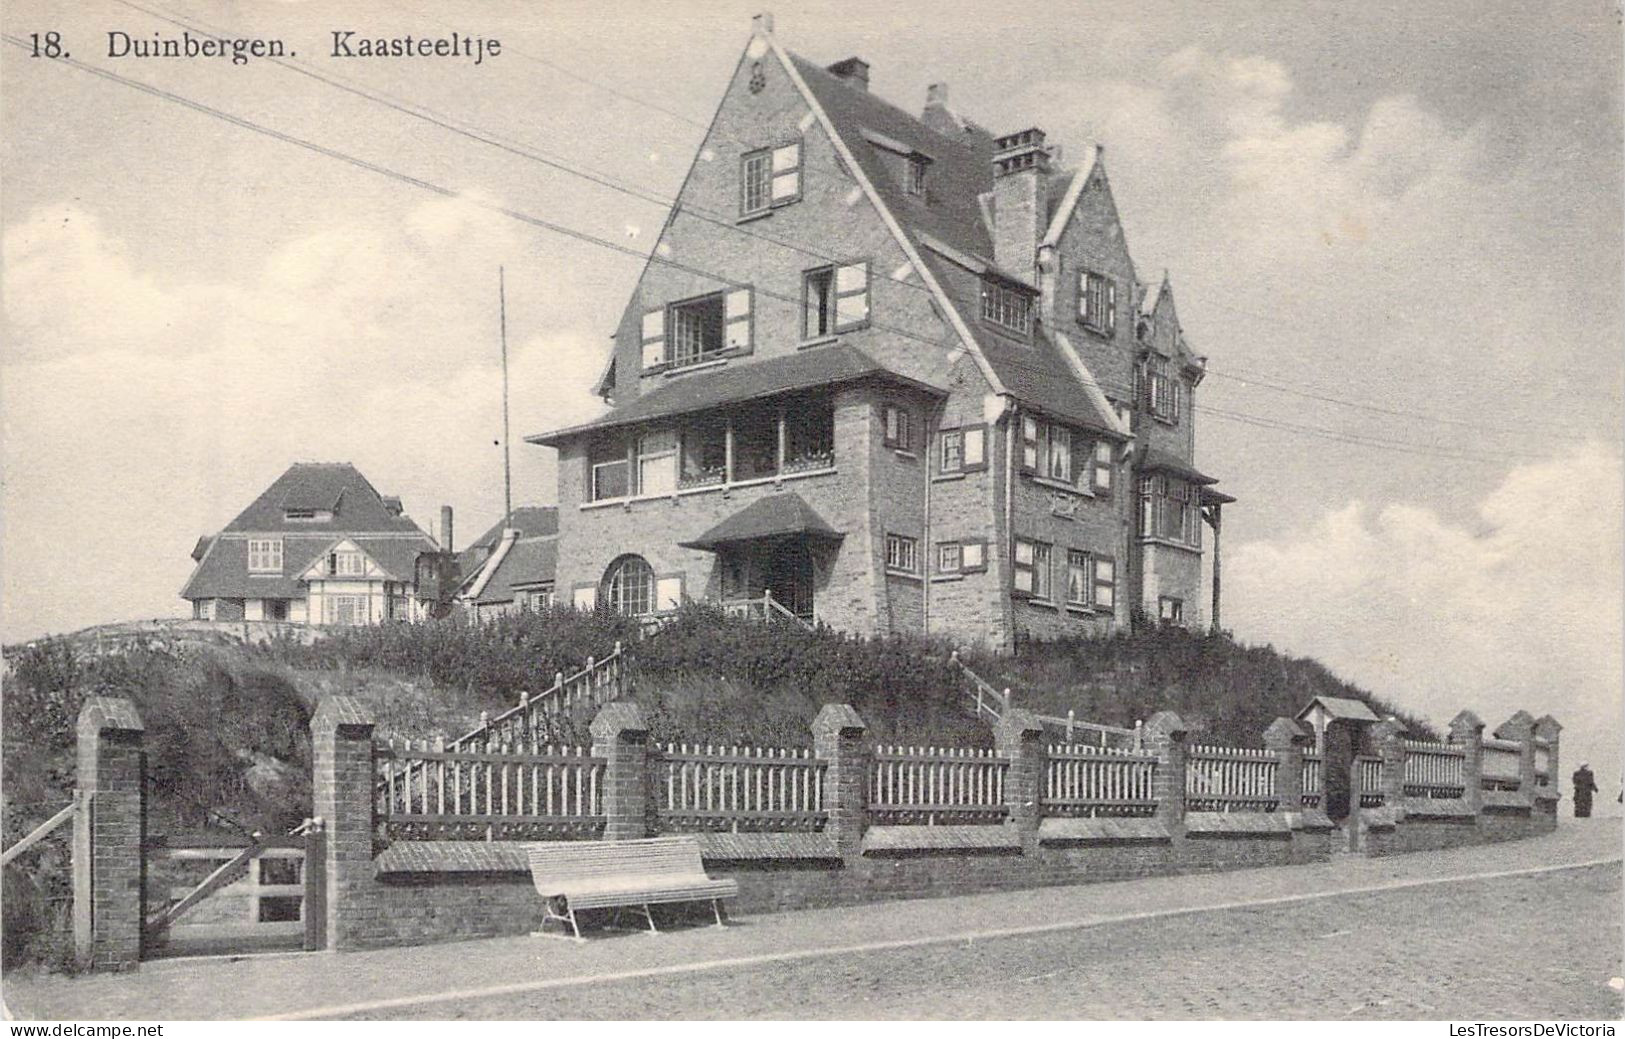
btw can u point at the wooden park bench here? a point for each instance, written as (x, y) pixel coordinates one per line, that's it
(616, 874)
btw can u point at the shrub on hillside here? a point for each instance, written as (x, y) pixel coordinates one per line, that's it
(1225, 691)
(497, 658)
(708, 676)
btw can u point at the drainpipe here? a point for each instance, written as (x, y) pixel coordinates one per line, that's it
(932, 424)
(1007, 543)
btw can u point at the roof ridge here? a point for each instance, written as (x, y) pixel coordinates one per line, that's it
(881, 99)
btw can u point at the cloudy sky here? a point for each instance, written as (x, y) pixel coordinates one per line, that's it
(1394, 228)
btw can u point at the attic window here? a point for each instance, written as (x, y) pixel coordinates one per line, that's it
(299, 514)
(914, 178)
(769, 177)
(1007, 306)
(1097, 302)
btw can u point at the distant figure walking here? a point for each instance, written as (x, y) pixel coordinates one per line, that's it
(1585, 784)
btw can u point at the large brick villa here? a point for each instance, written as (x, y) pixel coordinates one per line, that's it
(897, 372)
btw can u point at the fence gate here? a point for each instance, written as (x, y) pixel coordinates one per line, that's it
(205, 896)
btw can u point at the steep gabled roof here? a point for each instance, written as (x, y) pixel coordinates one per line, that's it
(528, 561)
(532, 521)
(950, 215)
(338, 487)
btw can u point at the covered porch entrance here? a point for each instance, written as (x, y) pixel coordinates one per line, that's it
(770, 556)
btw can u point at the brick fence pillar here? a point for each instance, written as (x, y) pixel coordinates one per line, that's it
(1388, 742)
(1548, 729)
(1019, 737)
(1467, 732)
(109, 903)
(1521, 727)
(1286, 739)
(1165, 738)
(620, 736)
(839, 741)
(342, 783)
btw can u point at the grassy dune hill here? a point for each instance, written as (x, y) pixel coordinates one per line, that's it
(228, 720)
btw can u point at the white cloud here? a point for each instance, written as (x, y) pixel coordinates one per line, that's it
(1518, 610)
(140, 412)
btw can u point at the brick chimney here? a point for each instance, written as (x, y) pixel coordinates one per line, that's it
(445, 529)
(1021, 171)
(853, 71)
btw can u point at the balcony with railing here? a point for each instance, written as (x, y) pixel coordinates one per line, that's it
(788, 438)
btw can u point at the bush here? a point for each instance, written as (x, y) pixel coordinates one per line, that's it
(494, 659)
(1224, 691)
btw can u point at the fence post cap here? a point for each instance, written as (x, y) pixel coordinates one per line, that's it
(1547, 727)
(105, 713)
(1020, 725)
(338, 712)
(1466, 723)
(1388, 729)
(1166, 723)
(1284, 733)
(619, 719)
(1520, 726)
(838, 719)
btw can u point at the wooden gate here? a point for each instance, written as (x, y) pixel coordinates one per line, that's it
(260, 894)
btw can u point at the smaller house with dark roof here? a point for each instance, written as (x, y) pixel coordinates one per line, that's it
(319, 546)
(511, 567)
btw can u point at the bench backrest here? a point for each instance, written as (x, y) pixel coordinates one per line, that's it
(586, 860)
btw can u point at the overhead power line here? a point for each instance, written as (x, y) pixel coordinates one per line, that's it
(598, 241)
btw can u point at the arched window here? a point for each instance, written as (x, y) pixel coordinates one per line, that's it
(629, 586)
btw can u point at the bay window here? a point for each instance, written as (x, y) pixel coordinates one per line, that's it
(1170, 509)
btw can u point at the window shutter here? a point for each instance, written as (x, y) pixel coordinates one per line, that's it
(654, 337)
(1111, 305)
(786, 173)
(1103, 465)
(669, 593)
(851, 296)
(738, 315)
(1083, 296)
(1105, 581)
(586, 597)
(975, 447)
(973, 555)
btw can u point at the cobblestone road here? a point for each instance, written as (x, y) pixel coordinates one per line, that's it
(1519, 947)
(1528, 946)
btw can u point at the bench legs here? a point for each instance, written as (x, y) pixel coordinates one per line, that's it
(717, 909)
(568, 916)
(649, 917)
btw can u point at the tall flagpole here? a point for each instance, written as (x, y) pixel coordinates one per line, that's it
(507, 461)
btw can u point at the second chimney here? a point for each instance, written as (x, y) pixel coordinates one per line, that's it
(1021, 164)
(854, 71)
(445, 529)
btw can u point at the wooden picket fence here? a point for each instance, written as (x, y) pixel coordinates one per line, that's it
(1230, 779)
(1314, 781)
(428, 791)
(751, 789)
(1082, 780)
(931, 785)
(1433, 770)
(1369, 770)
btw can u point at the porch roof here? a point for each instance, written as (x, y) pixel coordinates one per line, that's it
(1154, 460)
(1339, 707)
(777, 515)
(750, 380)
